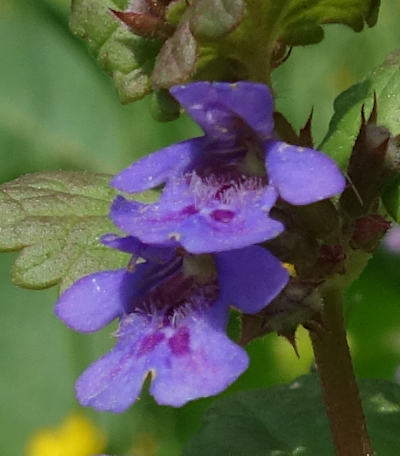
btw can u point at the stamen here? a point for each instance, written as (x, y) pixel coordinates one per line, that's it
(172, 301)
(227, 189)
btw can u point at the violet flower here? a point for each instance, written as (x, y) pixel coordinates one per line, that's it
(172, 322)
(392, 239)
(219, 188)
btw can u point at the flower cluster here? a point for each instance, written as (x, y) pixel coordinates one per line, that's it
(194, 251)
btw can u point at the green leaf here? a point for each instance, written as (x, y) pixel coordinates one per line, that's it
(56, 219)
(290, 420)
(176, 62)
(51, 120)
(268, 28)
(212, 19)
(373, 12)
(126, 57)
(301, 19)
(138, 64)
(163, 106)
(384, 81)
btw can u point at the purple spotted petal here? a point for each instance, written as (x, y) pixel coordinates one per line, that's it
(95, 300)
(202, 364)
(191, 359)
(217, 107)
(114, 381)
(229, 228)
(302, 175)
(211, 227)
(250, 278)
(158, 167)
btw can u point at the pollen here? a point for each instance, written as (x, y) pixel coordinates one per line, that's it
(290, 269)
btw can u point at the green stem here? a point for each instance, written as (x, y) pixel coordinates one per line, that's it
(340, 391)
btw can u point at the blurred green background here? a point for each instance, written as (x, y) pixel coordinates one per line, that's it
(57, 110)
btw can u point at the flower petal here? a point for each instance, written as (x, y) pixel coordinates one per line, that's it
(187, 362)
(209, 364)
(130, 244)
(392, 239)
(250, 278)
(252, 102)
(200, 234)
(209, 231)
(158, 167)
(95, 300)
(113, 382)
(151, 223)
(217, 107)
(302, 175)
(200, 101)
(169, 221)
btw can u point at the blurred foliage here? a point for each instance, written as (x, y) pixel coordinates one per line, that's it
(257, 422)
(57, 110)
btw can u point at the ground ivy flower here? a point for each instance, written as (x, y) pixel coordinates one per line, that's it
(173, 316)
(392, 239)
(219, 188)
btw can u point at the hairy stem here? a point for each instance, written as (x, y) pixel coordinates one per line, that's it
(339, 387)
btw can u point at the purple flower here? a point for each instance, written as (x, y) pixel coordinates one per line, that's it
(173, 321)
(392, 239)
(219, 188)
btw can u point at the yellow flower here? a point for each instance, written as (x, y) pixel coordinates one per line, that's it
(76, 436)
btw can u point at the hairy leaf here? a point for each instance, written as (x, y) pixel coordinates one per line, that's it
(291, 420)
(194, 29)
(126, 57)
(384, 81)
(211, 19)
(301, 19)
(269, 28)
(176, 62)
(56, 219)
